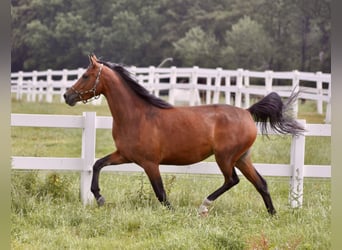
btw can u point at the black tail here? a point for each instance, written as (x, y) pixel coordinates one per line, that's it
(271, 109)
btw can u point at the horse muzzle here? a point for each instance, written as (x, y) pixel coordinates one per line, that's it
(71, 98)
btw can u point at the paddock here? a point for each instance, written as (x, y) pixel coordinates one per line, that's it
(192, 85)
(133, 213)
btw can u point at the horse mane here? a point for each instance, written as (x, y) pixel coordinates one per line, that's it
(136, 87)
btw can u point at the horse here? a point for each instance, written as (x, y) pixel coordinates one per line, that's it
(149, 131)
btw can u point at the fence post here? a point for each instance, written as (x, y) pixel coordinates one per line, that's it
(193, 87)
(268, 81)
(34, 86)
(239, 81)
(295, 84)
(88, 156)
(216, 98)
(151, 79)
(20, 85)
(29, 87)
(208, 91)
(319, 93)
(246, 85)
(173, 81)
(297, 169)
(63, 84)
(49, 88)
(227, 91)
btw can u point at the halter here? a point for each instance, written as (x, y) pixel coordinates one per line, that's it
(92, 90)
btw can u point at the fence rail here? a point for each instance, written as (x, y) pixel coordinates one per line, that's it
(193, 85)
(89, 123)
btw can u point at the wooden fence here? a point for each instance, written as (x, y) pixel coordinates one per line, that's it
(89, 123)
(191, 85)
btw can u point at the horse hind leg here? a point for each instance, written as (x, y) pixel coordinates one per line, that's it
(230, 180)
(244, 164)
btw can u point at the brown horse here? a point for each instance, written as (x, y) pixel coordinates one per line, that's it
(149, 131)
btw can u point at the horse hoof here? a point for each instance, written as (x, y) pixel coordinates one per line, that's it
(100, 201)
(204, 214)
(203, 211)
(272, 213)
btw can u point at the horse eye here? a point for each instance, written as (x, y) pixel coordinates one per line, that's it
(85, 76)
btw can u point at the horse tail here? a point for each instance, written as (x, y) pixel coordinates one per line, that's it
(277, 114)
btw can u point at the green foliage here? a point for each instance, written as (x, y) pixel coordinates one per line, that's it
(248, 46)
(197, 48)
(30, 187)
(57, 186)
(221, 33)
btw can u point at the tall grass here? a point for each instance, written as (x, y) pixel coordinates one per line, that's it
(47, 212)
(133, 219)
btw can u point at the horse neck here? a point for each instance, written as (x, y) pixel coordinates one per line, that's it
(125, 106)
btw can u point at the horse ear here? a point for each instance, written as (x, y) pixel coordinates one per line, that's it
(92, 59)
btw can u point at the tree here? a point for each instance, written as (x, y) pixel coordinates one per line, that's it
(40, 41)
(298, 33)
(248, 46)
(197, 48)
(275, 34)
(125, 38)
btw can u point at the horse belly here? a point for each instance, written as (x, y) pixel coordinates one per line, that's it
(184, 149)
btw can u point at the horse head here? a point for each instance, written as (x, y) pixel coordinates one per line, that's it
(88, 86)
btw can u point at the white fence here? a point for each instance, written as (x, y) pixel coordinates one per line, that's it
(193, 85)
(89, 122)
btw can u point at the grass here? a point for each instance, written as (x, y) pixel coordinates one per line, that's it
(133, 219)
(47, 212)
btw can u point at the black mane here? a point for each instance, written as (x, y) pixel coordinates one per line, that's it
(136, 87)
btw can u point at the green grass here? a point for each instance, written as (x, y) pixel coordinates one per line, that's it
(133, 219)
(47, 212)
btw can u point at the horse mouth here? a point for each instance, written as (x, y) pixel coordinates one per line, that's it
(71, 99)
(71, 103)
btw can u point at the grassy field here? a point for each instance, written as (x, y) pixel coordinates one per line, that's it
(47, 212)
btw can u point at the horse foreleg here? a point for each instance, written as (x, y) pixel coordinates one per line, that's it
(154, 176)
(111, 159)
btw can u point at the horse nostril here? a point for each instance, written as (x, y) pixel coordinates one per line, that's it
(66, 98)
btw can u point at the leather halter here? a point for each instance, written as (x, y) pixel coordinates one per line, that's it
(92, 90)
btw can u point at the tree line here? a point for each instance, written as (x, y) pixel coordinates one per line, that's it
(280, 35)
